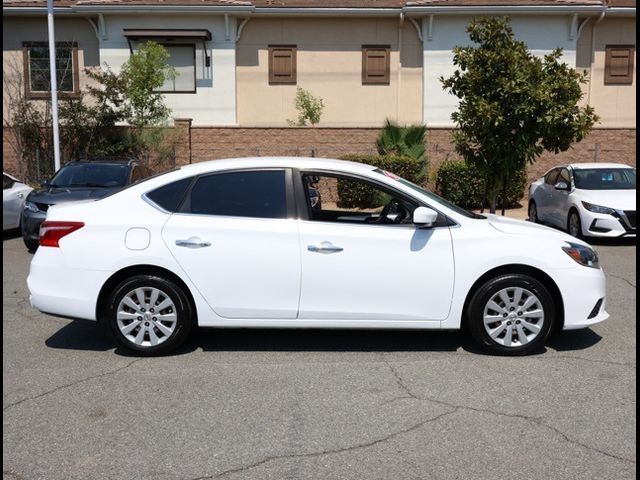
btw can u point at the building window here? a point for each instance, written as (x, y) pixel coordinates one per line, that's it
(618, 65)
(282, 64)
(38, 74)
(375, 65)
(183, 59)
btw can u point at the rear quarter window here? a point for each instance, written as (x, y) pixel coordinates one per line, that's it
(169, 197)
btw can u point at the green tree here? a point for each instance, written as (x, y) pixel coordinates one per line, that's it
(404, 141)
(142, 75)
(513, 105)
(90, 121)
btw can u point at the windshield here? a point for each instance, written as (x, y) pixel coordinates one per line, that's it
(605, 179)
(88, 175)
(431, 195)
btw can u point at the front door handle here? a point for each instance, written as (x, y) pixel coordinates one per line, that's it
(192, 242)
(324, 247)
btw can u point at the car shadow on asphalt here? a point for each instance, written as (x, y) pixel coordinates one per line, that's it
(79, 335)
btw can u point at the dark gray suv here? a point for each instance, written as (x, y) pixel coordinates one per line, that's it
(81, 180)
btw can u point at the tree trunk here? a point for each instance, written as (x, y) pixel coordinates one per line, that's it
(504, 193)
(494, 200)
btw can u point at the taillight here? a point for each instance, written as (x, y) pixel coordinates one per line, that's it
(52, 232)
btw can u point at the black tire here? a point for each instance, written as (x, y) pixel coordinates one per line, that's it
(184, 313)
(486, 292)
(533, 212)
(32, 245)
(575, 216)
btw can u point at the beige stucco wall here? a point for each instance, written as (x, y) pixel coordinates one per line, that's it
(329, 65)
(615, 104)
(17, 30)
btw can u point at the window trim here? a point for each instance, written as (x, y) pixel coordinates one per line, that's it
(365, 77)
(610, 80)
(303, 211)
(294, 65)
(195, 69)
(26, 61)
(289, 194)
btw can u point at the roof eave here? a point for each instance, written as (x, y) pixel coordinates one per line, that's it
(505, 9)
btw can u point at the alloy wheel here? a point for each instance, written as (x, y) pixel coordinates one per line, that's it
(513, 317)
(146, 316)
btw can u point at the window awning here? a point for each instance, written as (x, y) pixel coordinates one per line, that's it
(202, 35)
(198, 34)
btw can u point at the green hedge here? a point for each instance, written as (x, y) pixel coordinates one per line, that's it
(462, 184)
(360, 195)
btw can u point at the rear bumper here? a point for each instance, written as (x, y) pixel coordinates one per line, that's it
(57, 289)
(582, 288)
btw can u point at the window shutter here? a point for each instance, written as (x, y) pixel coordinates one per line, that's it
(282, 65)
(375, 65)
(618, 66)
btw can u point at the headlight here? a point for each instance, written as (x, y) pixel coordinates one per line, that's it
(31, 207)
(582, 254)
(598, 209)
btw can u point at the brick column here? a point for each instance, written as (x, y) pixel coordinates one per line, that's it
(182, 127)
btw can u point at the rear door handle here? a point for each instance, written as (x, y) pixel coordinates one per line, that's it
(324, 247)
(192, 242)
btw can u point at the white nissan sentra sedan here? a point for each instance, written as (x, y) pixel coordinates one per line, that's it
(587, 199)
(307, 243)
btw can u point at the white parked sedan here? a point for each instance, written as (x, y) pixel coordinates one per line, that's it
(587, 199)
(14, 193)
(242, 243)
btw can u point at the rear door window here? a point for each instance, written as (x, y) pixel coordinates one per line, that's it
(255, 193)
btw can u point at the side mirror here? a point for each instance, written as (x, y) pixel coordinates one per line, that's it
(561, 186)
(424, 217)
(44, 183)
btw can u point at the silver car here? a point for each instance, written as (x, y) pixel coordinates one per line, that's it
(14, 193)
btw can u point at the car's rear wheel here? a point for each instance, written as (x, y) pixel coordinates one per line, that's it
(574, 224)
(533, 212)
(149, 314)
(511, 314)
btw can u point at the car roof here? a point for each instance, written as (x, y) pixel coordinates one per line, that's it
(104, 161)
(582, 166)
(287, 162)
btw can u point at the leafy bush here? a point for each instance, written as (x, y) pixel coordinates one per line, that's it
(464, 185)
(405, 141)
(360, 195)
(309, 109)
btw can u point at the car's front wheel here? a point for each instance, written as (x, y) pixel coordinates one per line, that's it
(533, 212)
(574, 224)
(149, 314)
(511, 314)
(32, 245)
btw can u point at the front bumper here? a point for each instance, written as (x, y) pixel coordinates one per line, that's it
(607, 226)
(582, 288)
(31, 222)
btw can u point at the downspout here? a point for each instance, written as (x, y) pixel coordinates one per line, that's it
(593, 51)
(400, 27)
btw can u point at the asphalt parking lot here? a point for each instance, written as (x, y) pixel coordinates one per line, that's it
(325, 405)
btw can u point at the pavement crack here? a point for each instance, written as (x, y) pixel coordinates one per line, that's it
(622, 278)
(539, 421)
(320, 453)
(68, 385)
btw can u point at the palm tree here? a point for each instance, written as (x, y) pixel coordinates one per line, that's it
(405, 141)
